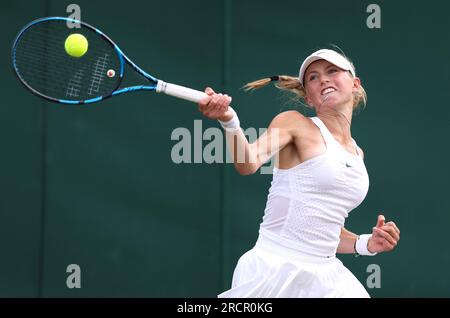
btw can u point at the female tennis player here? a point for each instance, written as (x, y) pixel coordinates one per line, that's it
(319, 178)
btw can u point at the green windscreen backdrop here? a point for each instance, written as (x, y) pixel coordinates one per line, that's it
(97, 186)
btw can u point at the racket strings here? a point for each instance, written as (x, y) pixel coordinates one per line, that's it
(43, 64)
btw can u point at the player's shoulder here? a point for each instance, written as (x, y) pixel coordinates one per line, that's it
(289, 118)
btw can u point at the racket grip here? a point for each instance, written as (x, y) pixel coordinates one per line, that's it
(180, 91)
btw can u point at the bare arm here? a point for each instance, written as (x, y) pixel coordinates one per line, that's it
(249, 157)
(385, 237)
(347, 242)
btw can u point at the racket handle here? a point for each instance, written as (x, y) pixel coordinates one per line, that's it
(180, 91)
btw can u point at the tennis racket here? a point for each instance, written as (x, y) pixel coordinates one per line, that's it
(43, 65)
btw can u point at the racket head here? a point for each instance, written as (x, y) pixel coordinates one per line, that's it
(42, 64)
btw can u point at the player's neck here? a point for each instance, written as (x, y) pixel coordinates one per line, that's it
(338, 122)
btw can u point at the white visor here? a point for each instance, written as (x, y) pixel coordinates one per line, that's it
(329, 55)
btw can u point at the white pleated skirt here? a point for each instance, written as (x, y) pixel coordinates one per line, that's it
(274, 268)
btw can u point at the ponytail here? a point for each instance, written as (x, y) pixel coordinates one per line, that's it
(284, 82)
(293, 85)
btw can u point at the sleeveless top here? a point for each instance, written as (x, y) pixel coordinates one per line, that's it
(308, 204)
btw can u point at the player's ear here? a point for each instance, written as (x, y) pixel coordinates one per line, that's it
(356, 83)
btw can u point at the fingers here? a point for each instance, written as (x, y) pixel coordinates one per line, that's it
(382, 240)
(203, 104)
(389, 227)
(394, 226)
(223, 102)
(388, 236)
(386, 246)
(215, 105)
(392, 230)
(380, 221)
(385, 235)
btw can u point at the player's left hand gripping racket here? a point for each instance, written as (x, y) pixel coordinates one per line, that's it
(43, 65)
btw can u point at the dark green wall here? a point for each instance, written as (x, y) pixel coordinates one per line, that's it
(96, 186)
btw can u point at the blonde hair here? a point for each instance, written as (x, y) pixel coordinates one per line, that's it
(293, 85)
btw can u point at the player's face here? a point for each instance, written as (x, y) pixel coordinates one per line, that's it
(327, 84)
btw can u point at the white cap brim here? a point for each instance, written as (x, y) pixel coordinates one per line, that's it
(329, 55)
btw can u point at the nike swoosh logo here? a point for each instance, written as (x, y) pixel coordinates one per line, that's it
(347, 165)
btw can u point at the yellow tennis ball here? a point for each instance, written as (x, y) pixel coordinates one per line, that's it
(76, 45)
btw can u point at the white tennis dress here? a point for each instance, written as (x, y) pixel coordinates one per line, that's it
(307, 205)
